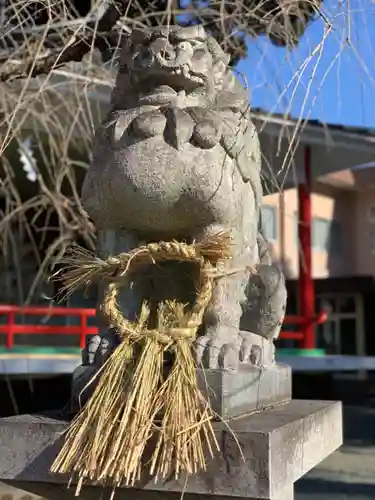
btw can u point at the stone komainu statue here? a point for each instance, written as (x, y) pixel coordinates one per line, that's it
(179, 158)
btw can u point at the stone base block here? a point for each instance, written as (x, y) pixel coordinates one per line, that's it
(231, 393)
(246, 390)
(261, 456)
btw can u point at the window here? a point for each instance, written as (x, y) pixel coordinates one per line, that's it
(325, 235)
(320, 231)
(268, 223)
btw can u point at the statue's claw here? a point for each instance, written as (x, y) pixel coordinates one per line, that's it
(98, 349)
(219, 349)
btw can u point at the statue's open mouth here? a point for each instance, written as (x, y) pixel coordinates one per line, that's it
(180, 78)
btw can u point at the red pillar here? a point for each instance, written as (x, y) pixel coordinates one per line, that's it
(306, 283)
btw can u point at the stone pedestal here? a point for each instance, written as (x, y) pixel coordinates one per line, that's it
(248, 389)
(270, 451)
(230, 392)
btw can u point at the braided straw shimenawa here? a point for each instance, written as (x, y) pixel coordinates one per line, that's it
(135, 400)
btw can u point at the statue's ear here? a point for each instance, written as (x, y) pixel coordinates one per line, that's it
(125, 50)
(217, 51)
(134, 37)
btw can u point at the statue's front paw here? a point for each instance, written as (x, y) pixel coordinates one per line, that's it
(256, 350)
(98, 349)
(219, 350)
(250, 352)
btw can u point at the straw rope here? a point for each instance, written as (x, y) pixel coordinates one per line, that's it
(158, 252)
(134, 399)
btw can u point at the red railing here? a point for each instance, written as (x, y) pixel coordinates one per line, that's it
(12, 328)
(302, 323)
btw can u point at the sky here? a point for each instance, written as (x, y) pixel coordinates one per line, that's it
(330, 76)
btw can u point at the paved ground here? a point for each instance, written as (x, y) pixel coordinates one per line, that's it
(349, 474)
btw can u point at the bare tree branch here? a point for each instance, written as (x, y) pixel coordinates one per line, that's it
(72, 52)
(229, 21)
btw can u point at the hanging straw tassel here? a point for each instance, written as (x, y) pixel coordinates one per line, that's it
(134, 400)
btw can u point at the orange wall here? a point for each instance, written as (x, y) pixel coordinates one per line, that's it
(344, 206)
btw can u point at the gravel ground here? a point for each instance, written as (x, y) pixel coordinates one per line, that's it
(348, 474)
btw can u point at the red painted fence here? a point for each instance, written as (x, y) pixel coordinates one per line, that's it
(303, 324)
(12, 328)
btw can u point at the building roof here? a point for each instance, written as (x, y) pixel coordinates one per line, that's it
(315, 132)
(287, 118)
